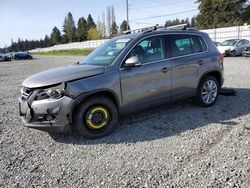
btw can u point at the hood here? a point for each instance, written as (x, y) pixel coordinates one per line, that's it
(62, 74)
(222, 49)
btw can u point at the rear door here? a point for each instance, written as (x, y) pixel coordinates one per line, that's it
(188, 61)
(151, 82)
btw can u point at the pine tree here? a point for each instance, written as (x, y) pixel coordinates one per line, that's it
(46, 42)
(193, 22)
(90, 22)
(113, 31)
(123, 26)
(246, 14)
(81, 30)
(220, 13)
(69, 28)
(55, 36)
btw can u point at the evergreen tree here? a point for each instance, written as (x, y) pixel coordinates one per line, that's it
(81, 29)
(220, 13)
(46, 41)
(123, 26)
(246, 15)
(69, 28)
(193, 22)
(168, 23)
(113, 31)
(41, 44)
(55, 36)
(64, 39)
(90, 22)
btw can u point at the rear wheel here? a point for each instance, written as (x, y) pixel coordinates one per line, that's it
(208, 92)
(97, 117)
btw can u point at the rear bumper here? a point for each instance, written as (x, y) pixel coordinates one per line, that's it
(50, 115)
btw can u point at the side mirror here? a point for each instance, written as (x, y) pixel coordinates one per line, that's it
(132, 62)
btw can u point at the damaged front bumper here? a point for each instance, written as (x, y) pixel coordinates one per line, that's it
(51, 115)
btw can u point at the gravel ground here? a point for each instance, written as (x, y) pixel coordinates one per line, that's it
(180, 145)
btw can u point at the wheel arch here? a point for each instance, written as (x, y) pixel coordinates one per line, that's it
(85, 96)
(215, 74)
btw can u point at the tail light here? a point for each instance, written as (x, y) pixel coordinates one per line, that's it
(221, 58)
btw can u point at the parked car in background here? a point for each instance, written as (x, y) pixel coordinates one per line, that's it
(233, 47)
(22, 55)
(4, 57)
(246, 51)
(11, 55)
(217, 43)
(1, 58)
(125, 74)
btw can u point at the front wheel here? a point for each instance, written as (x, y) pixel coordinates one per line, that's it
(232, 53)
(97, 117)
(207, 92)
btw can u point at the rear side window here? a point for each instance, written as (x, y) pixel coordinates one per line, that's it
(181, 45)
(186, 44)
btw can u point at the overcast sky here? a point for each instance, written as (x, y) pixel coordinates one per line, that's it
(32, 19)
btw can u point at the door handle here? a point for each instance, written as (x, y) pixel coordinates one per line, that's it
(164, 69)
(200, 62)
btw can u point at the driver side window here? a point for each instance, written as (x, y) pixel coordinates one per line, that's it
(149, 50)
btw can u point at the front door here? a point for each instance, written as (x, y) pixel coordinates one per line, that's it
(149, 83)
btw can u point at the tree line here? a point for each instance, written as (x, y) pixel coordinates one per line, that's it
(85, 29)
(212, 14)
(217, 14)
(222, 13)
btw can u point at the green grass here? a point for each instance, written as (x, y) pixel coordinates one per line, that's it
(80, 52)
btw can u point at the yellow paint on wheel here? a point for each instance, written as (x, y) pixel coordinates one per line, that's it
(100, 109)
(91, 124)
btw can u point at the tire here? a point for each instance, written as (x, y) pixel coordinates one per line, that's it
(206, 96)
(96, 118)
(232, 53)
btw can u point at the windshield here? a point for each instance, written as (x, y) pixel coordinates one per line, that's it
(229, 43)
(106, 53)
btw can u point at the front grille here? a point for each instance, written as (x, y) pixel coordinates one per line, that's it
(25, 93)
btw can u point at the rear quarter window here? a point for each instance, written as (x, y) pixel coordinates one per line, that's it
(202, 43)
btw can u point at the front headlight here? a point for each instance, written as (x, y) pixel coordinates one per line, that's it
(55, 92)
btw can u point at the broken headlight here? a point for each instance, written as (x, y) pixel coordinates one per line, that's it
(55, 92)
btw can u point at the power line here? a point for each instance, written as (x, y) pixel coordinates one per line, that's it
(172, 14)
(146, 23)
(152, 17)
(165, 4)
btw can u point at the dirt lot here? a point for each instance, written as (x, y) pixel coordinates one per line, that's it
(181, 145)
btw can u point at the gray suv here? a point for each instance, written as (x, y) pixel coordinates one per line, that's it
(125, 74)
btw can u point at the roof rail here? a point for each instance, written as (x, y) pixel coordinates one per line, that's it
(179, 26)
(158, 27)
(192, 29)
(143, 29)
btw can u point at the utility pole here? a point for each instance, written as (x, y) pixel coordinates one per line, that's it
(127, 14)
